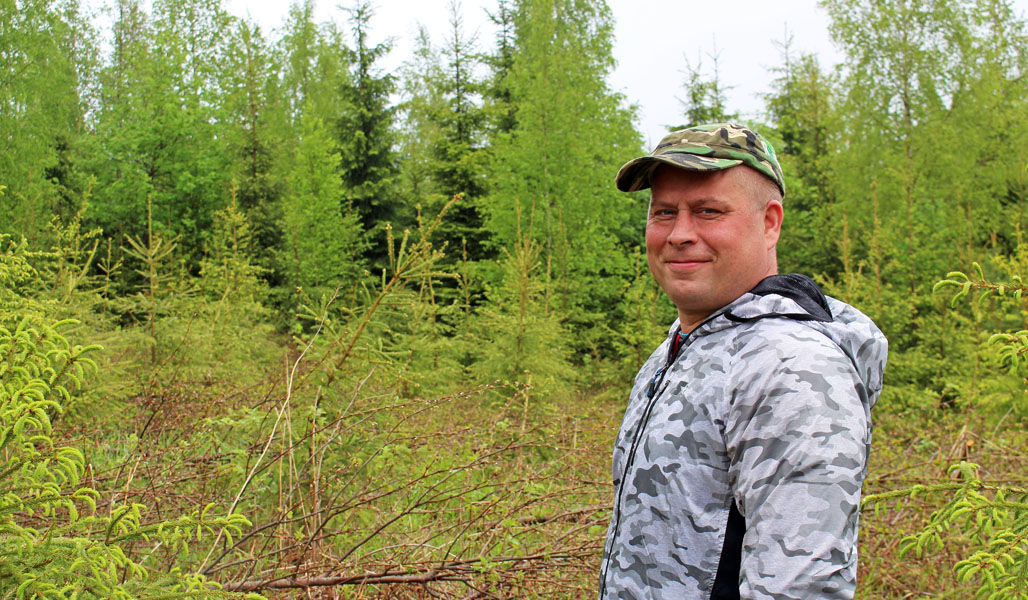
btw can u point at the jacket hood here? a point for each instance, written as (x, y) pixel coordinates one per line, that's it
(796, 297)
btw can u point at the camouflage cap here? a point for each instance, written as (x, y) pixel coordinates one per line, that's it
(709, 147)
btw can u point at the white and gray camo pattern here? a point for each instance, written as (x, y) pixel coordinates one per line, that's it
(771, 412)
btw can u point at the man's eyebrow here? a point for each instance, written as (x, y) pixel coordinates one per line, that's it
(704, 201)
(654, 200)
(658, 205)
(710, 201)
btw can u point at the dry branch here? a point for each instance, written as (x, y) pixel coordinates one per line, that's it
(450, 571)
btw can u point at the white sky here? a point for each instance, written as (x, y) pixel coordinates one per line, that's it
(653, 39)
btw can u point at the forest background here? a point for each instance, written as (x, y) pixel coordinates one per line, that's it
(274, 320)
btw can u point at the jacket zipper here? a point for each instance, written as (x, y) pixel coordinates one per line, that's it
(653, 391)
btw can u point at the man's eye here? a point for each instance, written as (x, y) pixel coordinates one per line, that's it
(663, 212)
(709, 211)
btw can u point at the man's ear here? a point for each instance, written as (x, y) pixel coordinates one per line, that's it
(773, 215)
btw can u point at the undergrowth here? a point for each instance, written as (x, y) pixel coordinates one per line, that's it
(371, 455)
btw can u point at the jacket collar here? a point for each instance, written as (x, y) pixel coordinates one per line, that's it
(789, 296)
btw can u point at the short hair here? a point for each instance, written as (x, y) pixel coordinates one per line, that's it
(762, 189)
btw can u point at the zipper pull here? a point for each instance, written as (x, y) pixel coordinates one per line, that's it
(672, 353)
(652, 389)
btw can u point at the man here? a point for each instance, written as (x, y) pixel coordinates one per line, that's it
(739, 463)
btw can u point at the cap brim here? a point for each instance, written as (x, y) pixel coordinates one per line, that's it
(635, 174)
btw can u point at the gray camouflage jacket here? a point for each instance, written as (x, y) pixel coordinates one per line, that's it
(739, 463)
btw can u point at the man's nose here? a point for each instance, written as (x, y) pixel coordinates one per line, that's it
(684, 229)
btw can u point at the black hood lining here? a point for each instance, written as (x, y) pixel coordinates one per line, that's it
(800, 289)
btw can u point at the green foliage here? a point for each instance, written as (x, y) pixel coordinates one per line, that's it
(646, 315)
(705, 100)
(15, 272)
(365, 136)
(1000, 305)
(499, 103)
(226, 272)
(47, 53)
(443, 140)
(321, 230)
(154, 255)
(200, 171)
(546, 164)
(420, 129)
(156, 144)
(459, 152)
(315, 65)
(802, 108)
(347, 466)
(232, 331)
(55, 541)
(434, 329)
(995, 517)
(523, 335)
(257, 124)
(913, 75)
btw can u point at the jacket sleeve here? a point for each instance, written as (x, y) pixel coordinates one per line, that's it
(797, 430)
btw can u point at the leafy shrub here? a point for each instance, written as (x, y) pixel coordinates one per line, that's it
(55, 540)
(993, 516)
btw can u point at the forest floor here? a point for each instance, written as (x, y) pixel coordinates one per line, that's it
(473, 495)
(917, 447)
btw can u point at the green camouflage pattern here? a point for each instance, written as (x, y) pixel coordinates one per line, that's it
(764, 407)
(709, 147)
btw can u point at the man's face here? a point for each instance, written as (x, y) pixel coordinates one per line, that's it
(709, 239)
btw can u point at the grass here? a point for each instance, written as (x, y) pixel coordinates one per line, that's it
(359, 488)
(917, 446)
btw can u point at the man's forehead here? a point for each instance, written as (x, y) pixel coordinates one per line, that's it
(723, 186)
(668, 178)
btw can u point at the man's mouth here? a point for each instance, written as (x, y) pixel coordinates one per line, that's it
(685, 264)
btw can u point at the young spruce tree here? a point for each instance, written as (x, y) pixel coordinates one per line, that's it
(571, 134)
